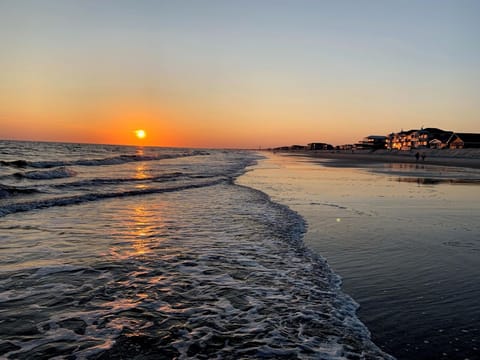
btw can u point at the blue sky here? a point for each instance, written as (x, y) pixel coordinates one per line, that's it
(249, 69)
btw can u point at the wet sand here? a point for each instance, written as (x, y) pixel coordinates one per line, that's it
(459, 158)
(407, 250)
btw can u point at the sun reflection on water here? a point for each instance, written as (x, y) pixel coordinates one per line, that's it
(141, 171)
(140, 231)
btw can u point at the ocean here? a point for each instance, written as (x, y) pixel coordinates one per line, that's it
(117, 252)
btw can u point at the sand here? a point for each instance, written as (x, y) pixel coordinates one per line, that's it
(469, 158)
(407, 250)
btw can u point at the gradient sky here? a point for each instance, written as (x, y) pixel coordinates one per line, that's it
(236, 73)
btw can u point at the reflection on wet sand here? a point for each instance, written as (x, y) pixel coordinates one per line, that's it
(407, 253)
(435, 181)
(426, 174)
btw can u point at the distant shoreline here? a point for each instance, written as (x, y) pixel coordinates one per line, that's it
(446, 157)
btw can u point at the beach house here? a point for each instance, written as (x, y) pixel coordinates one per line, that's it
(464, 141)
(424, 138)
(418, 139)
(401, 140)
(319, 146)
(372, 142)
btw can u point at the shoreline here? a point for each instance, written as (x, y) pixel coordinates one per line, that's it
(405, 253)
(469, 158)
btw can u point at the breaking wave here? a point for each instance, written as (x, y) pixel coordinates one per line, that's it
(8, 191)
(116, 160)
(228, 278)
(58, 173)
(164, 260)
(73, 200)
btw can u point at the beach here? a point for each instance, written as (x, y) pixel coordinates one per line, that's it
(118, 252)
(240, 180)
(404, 237)
(469, 158)
(124, 252)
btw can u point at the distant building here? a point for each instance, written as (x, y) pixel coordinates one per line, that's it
(372, 142)
(418, 139)
(464, 141)
(423, 137)
(440, 140)
(400, 141)
(319, 146)
(345, 147)
(289, 148)
(436, 144)
(281, 148)
(298, 147)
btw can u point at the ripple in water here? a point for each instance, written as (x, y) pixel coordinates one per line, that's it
(212, 272)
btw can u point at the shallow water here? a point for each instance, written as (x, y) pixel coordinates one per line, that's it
(408, 252)
(117, 252)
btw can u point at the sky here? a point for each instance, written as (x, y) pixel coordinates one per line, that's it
(236, 74)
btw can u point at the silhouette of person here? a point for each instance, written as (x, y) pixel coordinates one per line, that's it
(423, 156)
(417, 156)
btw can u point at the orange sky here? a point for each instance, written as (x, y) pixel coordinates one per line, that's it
(236, 74)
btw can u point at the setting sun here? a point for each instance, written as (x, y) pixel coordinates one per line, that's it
(141, 134)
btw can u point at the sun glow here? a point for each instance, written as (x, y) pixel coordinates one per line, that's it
(140, 134)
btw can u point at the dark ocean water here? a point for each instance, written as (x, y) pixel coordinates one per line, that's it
(111, 252)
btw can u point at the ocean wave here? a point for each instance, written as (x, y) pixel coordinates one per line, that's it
(15, 163)
(220, 271)
(78, 199)
(115, 181)
(116, 160)
(8, 191)
(58, 173)
(229, 278)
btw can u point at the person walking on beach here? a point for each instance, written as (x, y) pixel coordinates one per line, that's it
(417, 156)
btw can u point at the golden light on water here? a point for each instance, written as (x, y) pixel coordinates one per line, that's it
(142, 229)
(138, 225)
(141, 172)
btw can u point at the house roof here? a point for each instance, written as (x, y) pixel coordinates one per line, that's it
(377, 137)
(408, 132)
(445, 136)
(435, 130)
(468, 137)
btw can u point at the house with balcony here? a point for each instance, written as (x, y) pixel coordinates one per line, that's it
(427, 137)
(372, 142)
(319, 146)
(440, 140)
(402, 140)
(418, 139)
